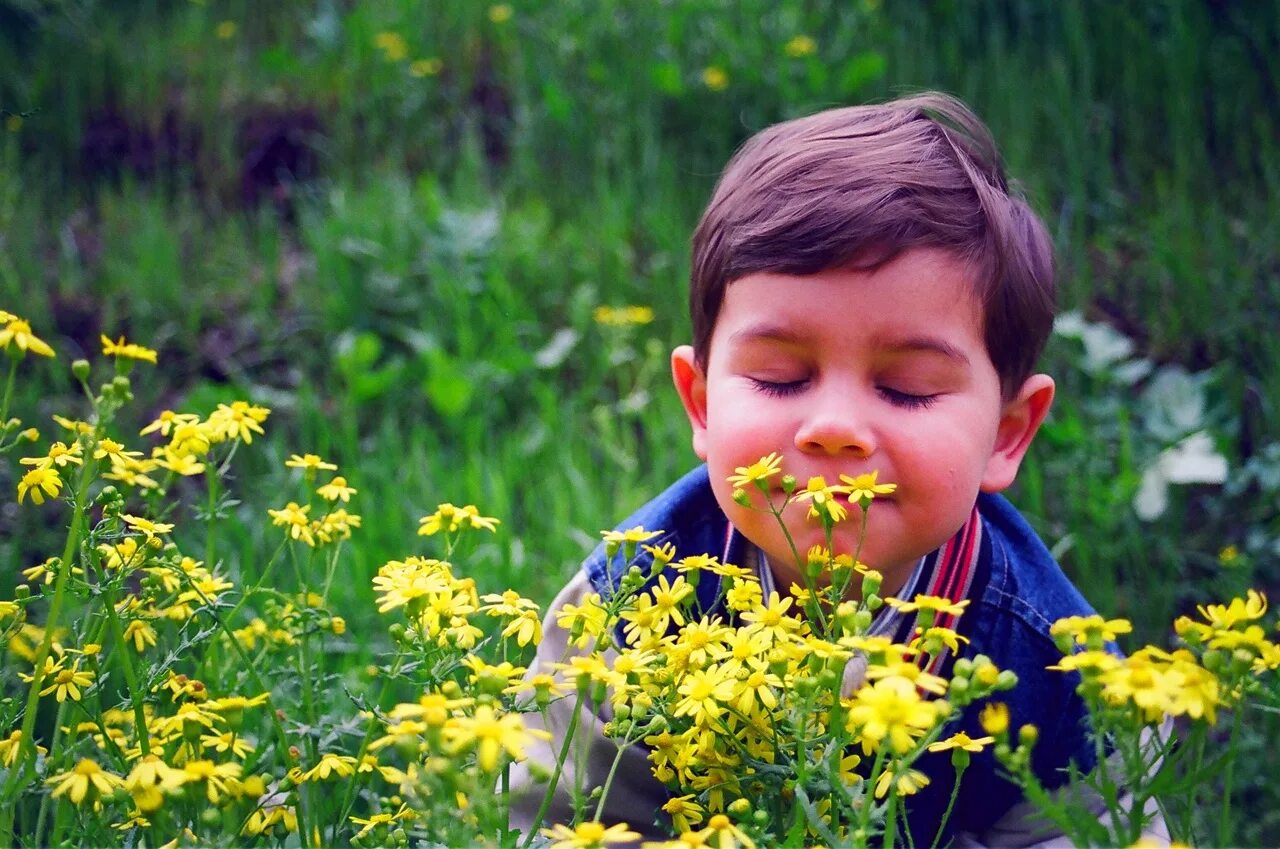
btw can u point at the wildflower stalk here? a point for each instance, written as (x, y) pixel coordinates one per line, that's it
(559, 767)
(951, 803)
(130, 674)
(27, 750)
(282, 740)
(8, 391)
(1233, 745)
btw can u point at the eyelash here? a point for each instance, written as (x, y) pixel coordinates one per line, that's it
(899, 399)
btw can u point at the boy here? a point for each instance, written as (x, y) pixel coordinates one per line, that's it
(867, 294)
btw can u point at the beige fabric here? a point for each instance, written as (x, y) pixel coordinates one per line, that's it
(636, 797)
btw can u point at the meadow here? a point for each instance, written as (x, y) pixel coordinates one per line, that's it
(413, 232)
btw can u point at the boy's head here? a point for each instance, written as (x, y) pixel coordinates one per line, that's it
(867, 296)
(856, 186)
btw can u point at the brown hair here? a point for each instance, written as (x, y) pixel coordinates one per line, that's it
(854, 187)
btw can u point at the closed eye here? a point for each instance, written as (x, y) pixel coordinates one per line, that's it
(906, 400)
(778, 389)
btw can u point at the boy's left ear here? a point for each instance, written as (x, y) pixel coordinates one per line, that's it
(1019, 421)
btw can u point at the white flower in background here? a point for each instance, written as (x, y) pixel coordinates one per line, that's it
(1193, 460)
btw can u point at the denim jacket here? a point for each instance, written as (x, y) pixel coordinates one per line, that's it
(1017, 592)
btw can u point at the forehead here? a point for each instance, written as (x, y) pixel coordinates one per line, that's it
(924, 298)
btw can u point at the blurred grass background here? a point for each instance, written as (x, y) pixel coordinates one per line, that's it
(393, 222)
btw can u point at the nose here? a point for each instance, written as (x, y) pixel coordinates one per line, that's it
(835, 426)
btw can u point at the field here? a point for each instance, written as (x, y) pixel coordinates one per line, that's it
(410, 229)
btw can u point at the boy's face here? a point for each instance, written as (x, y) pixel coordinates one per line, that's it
(849, 372)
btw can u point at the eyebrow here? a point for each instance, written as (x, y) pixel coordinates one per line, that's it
(766, 332)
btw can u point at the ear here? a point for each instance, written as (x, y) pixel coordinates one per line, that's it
(691, 384)
(1019, 421)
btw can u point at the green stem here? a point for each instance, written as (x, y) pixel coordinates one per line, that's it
(1224, 822)
(555, 774)
(349, 799)
(27, 751)
(130, 674)
(8, 391)
(951, 803)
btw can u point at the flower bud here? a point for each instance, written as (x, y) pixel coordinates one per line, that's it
(789, 484)
(30, 434)
(741, 498)
(80, 369)
(1028, 735)
(739, 807)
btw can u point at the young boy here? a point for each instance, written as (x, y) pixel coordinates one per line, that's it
(868, 294)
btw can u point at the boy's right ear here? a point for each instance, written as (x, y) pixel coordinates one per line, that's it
(691, 384)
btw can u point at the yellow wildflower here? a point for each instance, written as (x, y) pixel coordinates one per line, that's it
(622, 316)
(800, 46)
(892, 708)
(824, 500)
(759, 471)
(450, 519)
(863, 488)
(11, 746)
(336, 490)
(127, 350)
(715, 78)
(588, 835)
(906, 782)
(149, 528)
(40, 482)
(490, 733)
(961, 740)
(425, 67)
(86, 780)
(393, 46)
(16, 334)
(294, 519)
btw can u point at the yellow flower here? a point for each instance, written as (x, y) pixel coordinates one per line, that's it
(225, 30)
(425, 67)
(1236, 611)
(141, 633)
(330, 764)
(310, 463)
(864, 488)
(892, 708)
(66, 682)
(39, 482)
(59, 455)
(150, 780)
(586, 622)
(1090, 630)
(684, 812)
(336, 490)
(500, 13)
(17, 334)
(721, 832)
(960, 740)
(800, 46)
(239, 420)
(12, 746)
(588, 835)
(823, 500)
(167, 421)
(85, 780)
(762, 469)
(622, 316)
(705, 693)
(994, 718)
(491, 733)
(632, 535)
(393, 46)
(219, 779)
(937, 604)
(715, 78)
(294, 519)
(127, 350)
(906, 782)
(451, 519)
(149, 528)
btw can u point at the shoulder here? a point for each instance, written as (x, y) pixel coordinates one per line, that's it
(686, 515)
(1024, 584)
